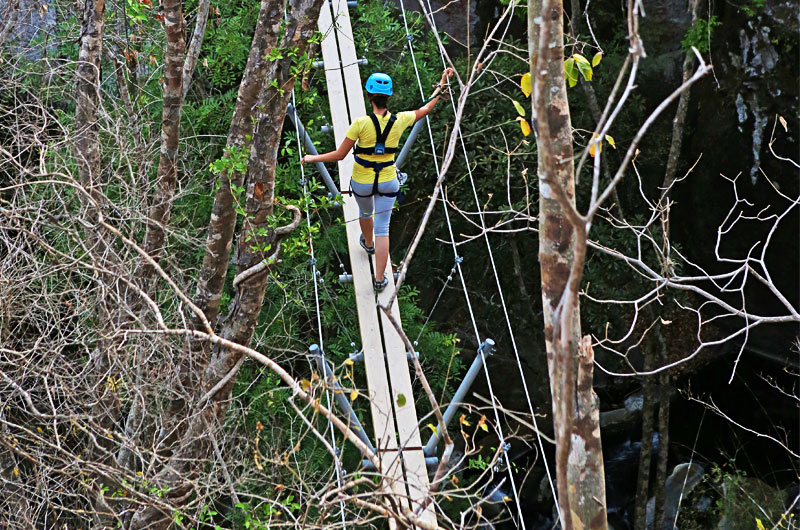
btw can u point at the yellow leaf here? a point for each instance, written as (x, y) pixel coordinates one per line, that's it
(463, 420)
(610, 141)
(353, 395)
(525, 84)
(16, 471)
(348, 362)
(524, 125)
(759, 524)
(520, 109)
(595, 146)
(597, 58)
(783, 122)
(506, 498)
(305, 384)
(433, 429)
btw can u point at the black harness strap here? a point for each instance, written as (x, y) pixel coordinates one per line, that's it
(377, 167)
(380, 138)
(378, 149)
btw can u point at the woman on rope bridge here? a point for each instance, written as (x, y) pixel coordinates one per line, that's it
(374, 182)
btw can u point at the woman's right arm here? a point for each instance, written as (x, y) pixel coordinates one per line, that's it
(428, 107)
(331, 156)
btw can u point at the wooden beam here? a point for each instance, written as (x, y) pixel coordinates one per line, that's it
(405, 415)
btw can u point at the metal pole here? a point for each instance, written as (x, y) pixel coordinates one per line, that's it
(430, 462)
(401, 158)
(338, 394)
(487, 348)
(291, 113)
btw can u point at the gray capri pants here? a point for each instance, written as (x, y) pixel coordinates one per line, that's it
(379, 205)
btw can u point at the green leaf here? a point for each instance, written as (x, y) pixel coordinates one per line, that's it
(401, 400)
(571, 71)
(520, 108)
(597, 58)
(610, 141)
(583, 66)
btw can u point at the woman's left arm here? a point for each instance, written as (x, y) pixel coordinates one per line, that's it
(331, 156)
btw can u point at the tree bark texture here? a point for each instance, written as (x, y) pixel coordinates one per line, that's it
(562, 246)
(254, 246)
(166, 177)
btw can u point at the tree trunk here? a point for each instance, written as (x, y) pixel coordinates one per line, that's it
(195, 45)
(649, 398)
(223, 215)
(562, 246)
(161, 204)
(255, 250)
(89, 159)
(663, 446)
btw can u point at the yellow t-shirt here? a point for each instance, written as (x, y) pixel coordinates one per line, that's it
(363, 131)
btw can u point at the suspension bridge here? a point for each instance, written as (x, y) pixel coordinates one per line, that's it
(403, 459)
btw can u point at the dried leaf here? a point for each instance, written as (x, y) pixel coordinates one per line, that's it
(463, 420)
(783, 122)
(525, 84)
(482, 424)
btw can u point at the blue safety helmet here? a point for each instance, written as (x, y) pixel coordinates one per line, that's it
(379, 83)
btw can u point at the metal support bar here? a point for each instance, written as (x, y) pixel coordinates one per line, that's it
(401, 158)
(348, 278)
(291, 113)
(358, 356)
(487, 347)
(430, 462)
(338, 394)
(360, 62)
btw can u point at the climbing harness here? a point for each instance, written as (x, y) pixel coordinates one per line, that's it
(378, 149)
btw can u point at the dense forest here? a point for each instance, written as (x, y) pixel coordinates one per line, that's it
(598, 225)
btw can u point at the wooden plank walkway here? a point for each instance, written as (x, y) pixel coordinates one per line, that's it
(396, 428)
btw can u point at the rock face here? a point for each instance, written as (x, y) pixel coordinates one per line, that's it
(683, 480)
(33, 23)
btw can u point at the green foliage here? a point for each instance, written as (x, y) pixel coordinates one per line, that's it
(699, 35)
(751, 7)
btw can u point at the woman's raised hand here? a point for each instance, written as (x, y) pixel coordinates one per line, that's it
(448, 72)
